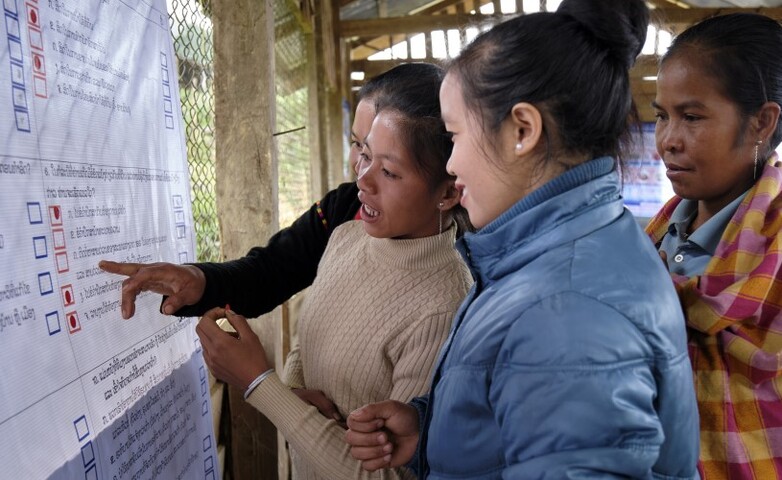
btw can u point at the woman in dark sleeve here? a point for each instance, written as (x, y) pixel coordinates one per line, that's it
(269, 275)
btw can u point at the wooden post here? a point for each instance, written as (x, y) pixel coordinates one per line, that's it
(246, 177)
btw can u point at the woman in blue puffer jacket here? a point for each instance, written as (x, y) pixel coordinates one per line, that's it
(568, 359)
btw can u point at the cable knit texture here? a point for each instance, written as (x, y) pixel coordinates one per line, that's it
(370, 330)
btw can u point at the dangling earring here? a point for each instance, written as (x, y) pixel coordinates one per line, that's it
(440, 208)
(519, 148)
(755, 170)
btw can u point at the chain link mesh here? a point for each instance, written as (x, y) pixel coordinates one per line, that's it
(291, 129)
(191, 29)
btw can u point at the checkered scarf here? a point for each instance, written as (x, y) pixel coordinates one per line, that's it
(735, 336)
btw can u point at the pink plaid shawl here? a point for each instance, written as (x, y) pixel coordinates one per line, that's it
(735, 336)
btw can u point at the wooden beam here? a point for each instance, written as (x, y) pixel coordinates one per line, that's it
(681, 16)
(426, 23)
(413, 24)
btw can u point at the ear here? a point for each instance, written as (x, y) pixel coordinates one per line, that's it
(524, 128)
(449, 196)
(765, 121)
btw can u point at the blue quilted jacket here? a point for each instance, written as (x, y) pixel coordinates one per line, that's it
(568, 358)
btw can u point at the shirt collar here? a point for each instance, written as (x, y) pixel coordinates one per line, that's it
(708, 235)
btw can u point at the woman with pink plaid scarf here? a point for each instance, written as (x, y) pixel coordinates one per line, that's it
(719, 91)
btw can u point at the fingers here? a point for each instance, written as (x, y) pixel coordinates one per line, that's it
(239, 323)
(378, 464)
(374, 440)
(126, 269)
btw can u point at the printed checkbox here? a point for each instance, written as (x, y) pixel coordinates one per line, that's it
(163, 60)
(182, 257)
(73, 323)
(166, 91)
(168, 106)
(53, 322)
(209, 463)
(203, 388)
(36, 40)
(91, 473)
(204, 408)
(177, 201)
(12, 26)
(34, 213)
(87, 454)
(33, 18)
(169, 122)
(39, 64)
(179, 217)
(58, 238)
(68, 298)
(45, 283)
(61, 259)
(15, 50)
(210, 475)
(22, 120)
(20, 99)
(17, 72)
(201, 373)
(207, 442)
(180, 231)
(82, 428)
(55, 215)
(164, 74)
(39, 247)
(39, 86)
(10, 6)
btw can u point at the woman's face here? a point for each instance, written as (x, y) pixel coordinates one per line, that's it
(699, 135)
(397, 201)
(486, 191)
(362, 122)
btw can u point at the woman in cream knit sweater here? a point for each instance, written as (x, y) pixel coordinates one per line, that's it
(387, 289)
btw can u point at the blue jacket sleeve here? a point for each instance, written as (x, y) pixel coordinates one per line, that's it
(420, 404)
(571, 401)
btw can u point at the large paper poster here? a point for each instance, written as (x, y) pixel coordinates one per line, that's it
(93, 166)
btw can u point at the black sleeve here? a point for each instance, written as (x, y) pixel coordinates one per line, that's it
(267, 276)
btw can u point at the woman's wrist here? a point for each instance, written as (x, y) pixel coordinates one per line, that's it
(260, 378)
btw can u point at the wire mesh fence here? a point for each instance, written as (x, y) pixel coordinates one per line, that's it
(291, 129)
(191, 28)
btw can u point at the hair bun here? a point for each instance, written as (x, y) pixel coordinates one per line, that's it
(619, 24)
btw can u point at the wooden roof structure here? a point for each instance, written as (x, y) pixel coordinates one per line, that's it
(366, 27)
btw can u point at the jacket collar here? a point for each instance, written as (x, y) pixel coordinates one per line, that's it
(585, 198)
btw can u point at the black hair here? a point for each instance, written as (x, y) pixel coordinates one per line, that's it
(742, 52)
(572, 65)
(412, 90)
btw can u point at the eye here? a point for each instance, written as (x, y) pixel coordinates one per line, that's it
(388, 174)
(660, 116)
(688, 117)
(355, 144)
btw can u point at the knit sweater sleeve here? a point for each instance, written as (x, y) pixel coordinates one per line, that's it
(414, 351)
(267, 276)
(293, 375)
(319, 440)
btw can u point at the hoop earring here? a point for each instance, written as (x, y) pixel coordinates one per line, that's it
(755, 170)
(440, 208)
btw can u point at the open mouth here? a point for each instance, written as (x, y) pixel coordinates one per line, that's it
(371, 212)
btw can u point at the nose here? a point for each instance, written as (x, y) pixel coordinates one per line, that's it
(668, 139)
(365, 180)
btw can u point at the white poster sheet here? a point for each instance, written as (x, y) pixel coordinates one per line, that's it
(93, 166)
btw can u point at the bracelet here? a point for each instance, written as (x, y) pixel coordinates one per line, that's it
(257, 382)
